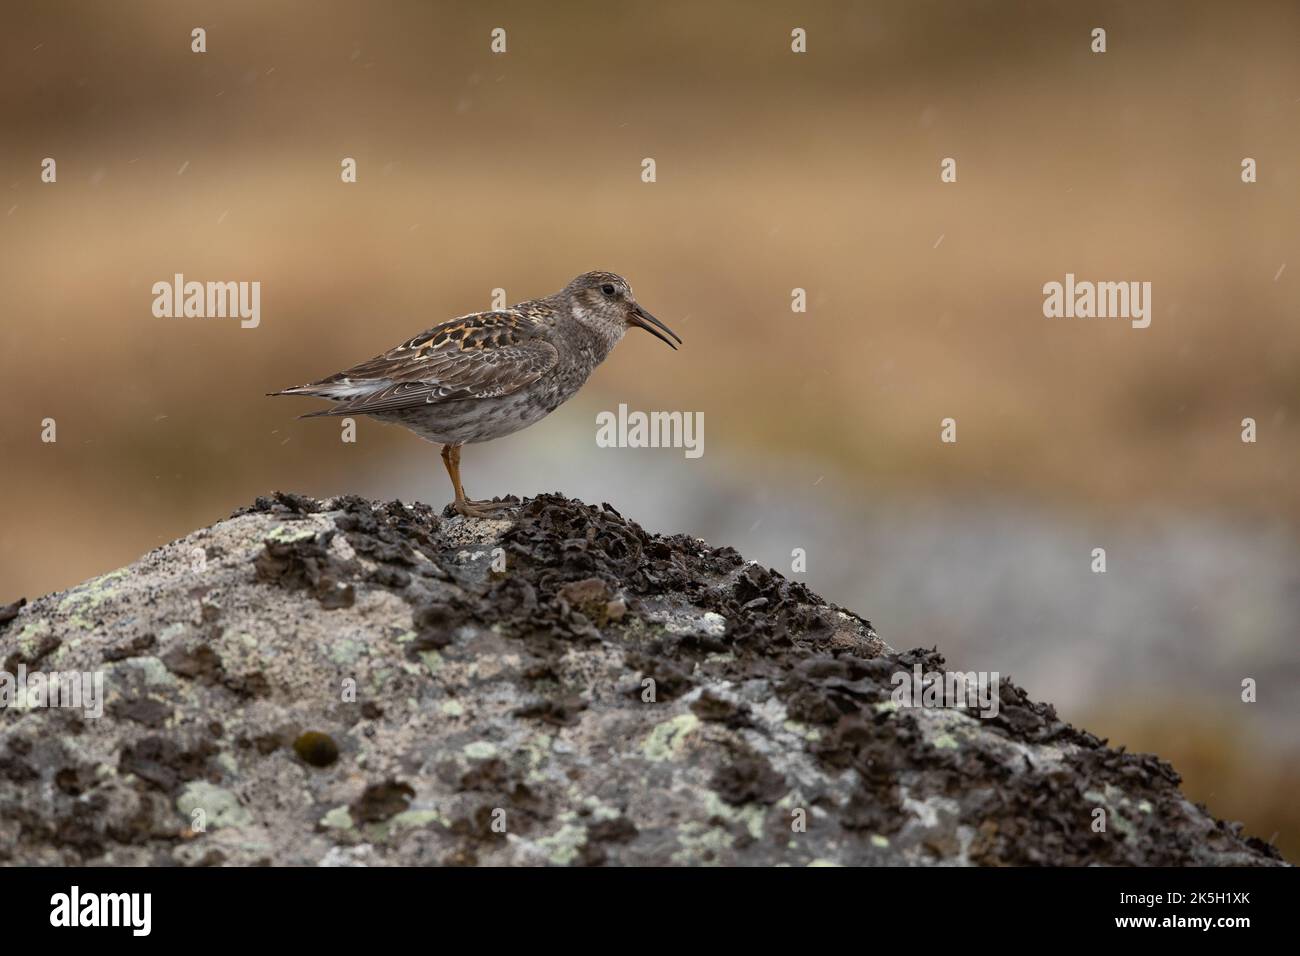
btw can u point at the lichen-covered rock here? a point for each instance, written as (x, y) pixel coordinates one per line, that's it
(345, 682)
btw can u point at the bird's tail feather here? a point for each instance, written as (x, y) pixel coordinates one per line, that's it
(344, 392)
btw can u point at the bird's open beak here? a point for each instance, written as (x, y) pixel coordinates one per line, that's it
(644, 320)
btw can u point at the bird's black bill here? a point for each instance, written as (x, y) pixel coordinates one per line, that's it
(644, 320)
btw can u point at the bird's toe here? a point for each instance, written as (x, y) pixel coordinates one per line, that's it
(480, 509)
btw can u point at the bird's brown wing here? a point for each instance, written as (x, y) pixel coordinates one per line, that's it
(483, 355)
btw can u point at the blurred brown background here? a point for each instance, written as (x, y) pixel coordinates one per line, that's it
(775, 171)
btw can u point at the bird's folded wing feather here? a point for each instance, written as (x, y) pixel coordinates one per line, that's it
(484, 355)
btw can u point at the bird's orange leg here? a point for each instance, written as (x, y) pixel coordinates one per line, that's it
(462, 505)
(451, 461)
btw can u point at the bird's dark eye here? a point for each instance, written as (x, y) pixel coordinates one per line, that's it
(607, 289)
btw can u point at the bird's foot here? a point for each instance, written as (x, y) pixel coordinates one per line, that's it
(493, 505)
(480, 509)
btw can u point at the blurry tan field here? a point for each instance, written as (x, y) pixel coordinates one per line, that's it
(775, 171)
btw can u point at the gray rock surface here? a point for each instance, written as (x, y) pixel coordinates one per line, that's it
(355, 683)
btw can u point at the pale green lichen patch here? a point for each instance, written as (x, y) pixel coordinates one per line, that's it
(802, 730)
(749, 815)
(172, 631)
(666, 740)
(794, 800)
(480, 750)
(378, 683)
(537, 752)
(1114, 801)
(153, 672)
(96, 590)
(85, 599)
(1110, 796)
(337, 819)
(418, 818)
(600, 810)
(219, 807)
(563, 846)
(287, 534)
(701, 844)
(708, 624)
(29, 637)
(346, 652)
(1122, 824)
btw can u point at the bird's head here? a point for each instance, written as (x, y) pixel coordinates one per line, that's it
(603, 302)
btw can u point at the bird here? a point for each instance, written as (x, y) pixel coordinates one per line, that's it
(486, 375)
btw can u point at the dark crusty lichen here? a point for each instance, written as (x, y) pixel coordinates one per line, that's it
(555, 687)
